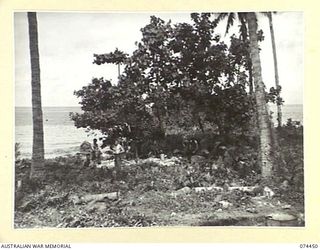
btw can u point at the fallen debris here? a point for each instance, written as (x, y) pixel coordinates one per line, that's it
(268, 192)
(247, 189)
(181, 191)
(252, 210)
(154, 191)
(207, 189)
(286, 207)
(96, 206)
(95, 197)
(225, 204)
(162, 161)
(28, 205)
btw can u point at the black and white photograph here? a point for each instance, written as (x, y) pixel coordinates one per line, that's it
(158, 119)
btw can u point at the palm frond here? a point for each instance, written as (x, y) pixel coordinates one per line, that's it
(230, 21)
(242, 16)
(220, 17)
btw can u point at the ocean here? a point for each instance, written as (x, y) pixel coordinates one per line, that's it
(290, 111)
(61, 137)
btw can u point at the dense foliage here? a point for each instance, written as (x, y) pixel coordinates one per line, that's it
(181, 78)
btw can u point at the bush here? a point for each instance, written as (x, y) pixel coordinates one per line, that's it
(291, 145)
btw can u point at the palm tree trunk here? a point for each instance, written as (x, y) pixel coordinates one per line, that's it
(250, 79)
(37, 165)
(276, 75)
(162, 124)
(262, 110)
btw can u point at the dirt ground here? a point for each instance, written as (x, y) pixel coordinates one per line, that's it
(151, 193)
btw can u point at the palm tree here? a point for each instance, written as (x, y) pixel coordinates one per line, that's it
(37, 163)
(264, 124)
(276, 75)
(243, 36)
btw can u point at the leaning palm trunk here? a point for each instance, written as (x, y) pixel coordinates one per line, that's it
(276, 75)
(262, 109)
(38, 144)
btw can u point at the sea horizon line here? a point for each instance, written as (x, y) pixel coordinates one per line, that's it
(73, 106)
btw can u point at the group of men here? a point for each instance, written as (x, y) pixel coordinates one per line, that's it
(94, 153)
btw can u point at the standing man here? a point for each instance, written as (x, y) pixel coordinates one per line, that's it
(190, 146)
(96, 153)
(86, 151)
(118, 151)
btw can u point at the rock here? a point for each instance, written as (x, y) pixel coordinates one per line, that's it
(225, 187)
(56, 200)
(284, 185)
(252, 210)
(204, 152)
(218, 198)
(201, 189)
(181, 191)
(132, 203)
(225, 204)
(107, 164)
(94, 197)
(259, 204)
(62, 224)
(162, 157)
(257, 190)
(165, 162)
(75, 199)
(19, 184)
(214, 166)
(154, 169)
(220, 189)
(177, 152)
(286, 207)
(281, 219)
(268, 192)
(28, 206)
(197, 159)
(247, 189)
(207, 189)
(96, 206)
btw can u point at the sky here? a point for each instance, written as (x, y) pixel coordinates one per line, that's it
(68, 40)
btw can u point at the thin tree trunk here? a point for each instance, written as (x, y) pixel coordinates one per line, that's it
(250, 79)
(37, 164)
(276, 74)
(200, 124)
(162, 125)
(262, 110)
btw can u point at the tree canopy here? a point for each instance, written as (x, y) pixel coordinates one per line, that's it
(179, 76)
